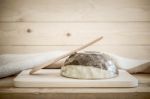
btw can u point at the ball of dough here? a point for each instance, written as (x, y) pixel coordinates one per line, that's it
(89, 65)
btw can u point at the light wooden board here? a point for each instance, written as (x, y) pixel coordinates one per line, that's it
(74, 10)
(143, 81)
(74, 33)
(52, 78)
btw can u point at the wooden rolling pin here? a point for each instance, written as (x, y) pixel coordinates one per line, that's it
(63, 56)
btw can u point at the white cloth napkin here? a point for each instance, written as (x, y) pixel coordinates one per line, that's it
(14, 63)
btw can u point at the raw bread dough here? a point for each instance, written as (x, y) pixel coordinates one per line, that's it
(89, 65)
(86, 72)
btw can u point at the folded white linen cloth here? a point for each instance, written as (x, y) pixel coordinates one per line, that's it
(14, 63)
(131, 65)
(11, 64)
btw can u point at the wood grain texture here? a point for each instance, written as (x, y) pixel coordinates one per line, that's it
(133, 95)
(137, 52)
(30, 26)
(74, 10)
(74, 33)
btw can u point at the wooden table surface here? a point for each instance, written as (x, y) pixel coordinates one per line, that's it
(7, 91)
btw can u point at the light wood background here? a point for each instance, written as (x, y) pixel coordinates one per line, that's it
(30, 26)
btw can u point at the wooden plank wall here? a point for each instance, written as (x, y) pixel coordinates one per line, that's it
(29, 26)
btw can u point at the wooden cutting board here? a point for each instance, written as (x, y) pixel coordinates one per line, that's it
(52, 78)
